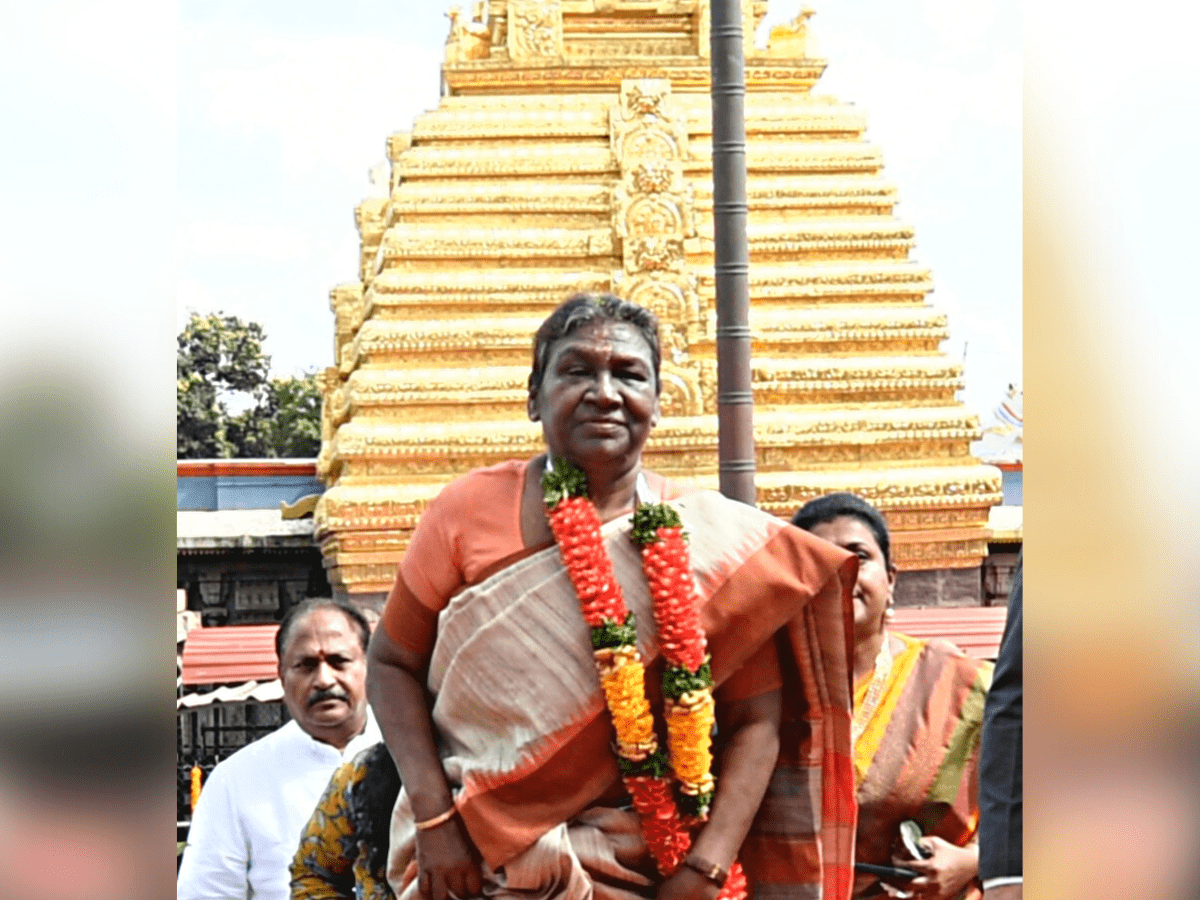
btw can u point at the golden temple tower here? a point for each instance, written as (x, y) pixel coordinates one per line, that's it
(572, 151)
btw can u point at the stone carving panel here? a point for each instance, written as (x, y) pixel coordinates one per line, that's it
(790, 40)
(675, 301)
(346, 302)
(653, 215)
(680, 391)
(535, 29)
(648, 125)
(653, 177)
(329, 382)
(655, 253)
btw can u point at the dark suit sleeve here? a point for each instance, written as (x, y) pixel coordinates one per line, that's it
(1000, 782)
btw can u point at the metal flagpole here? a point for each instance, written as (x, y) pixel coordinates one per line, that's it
(735, 398)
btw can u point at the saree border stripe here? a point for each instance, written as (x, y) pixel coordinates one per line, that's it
(894, 765)
(936, 723)
(873, 735)
(961, 819)
(962, 744)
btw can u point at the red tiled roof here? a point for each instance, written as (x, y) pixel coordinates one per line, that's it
(207, 468)
(976, 629)
(234, 654)
(230, 654)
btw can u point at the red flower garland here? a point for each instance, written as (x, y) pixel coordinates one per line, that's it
(687, 682)
(668, 571)
(576, 527)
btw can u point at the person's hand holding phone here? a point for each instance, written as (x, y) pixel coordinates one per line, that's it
(944, 874)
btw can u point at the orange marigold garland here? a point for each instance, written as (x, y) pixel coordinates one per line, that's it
(687, 680)
(194, 777)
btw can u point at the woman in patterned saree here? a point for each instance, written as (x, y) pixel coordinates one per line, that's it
(500, 711)
(918, 713)
(343, 849)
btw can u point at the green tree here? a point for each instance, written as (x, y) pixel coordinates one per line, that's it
(227, 407)
(285, 423)
(295, 421)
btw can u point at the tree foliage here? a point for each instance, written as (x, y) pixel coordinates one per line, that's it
(228, 407)
(285, 423)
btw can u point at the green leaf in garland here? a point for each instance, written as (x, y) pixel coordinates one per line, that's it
(696, 806)
(615, 634)
(655, 765)
(563, 481)
(649, 518)
(677, 680)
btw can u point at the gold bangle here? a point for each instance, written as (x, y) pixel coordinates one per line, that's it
(709, 870)
(438, 819)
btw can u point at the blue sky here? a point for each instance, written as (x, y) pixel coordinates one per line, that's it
(284, 107)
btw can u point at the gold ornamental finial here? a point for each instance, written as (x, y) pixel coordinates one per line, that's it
(791, 38)
(468, 39)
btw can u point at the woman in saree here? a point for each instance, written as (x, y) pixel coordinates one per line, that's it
(918, 714)
(499, 714)
(343, 849)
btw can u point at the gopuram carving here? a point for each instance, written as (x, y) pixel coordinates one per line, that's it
(652, 209)
(573, 151)
(471, 39)
(535, 29)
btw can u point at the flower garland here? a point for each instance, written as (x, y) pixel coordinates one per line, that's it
(194, 783)
(687, 680)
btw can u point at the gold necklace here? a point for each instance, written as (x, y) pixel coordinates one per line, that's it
(883, 668)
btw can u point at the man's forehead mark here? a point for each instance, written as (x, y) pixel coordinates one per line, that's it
(300, 629)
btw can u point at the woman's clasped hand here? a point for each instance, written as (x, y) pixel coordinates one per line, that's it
(688, 884)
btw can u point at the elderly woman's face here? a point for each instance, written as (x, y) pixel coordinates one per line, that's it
(873, 589)
(598, 398)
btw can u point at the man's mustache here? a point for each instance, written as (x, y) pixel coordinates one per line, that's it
(329, 694)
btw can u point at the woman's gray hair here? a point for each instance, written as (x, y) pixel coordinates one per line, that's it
(584, 309)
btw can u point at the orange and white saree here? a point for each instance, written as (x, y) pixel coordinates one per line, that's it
(526, 739)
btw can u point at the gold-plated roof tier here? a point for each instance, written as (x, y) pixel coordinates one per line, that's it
(573, 152)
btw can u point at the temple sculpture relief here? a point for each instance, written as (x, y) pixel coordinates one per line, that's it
(468, 39)
(535, 29)
(791, 38)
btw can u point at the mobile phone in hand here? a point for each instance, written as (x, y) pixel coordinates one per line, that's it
(886, 871)
(910, 835)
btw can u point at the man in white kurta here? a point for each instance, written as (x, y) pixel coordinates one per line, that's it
(247, 825)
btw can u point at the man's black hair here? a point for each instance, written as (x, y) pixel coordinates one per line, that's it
(304, 607)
